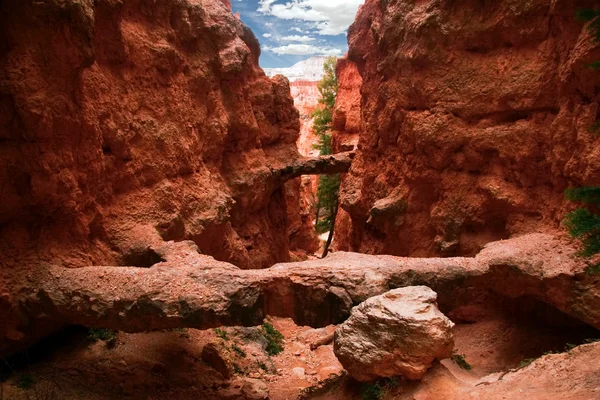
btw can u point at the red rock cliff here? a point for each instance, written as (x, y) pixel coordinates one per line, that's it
(346, 130)
(346, 114)
(475, 118)
(126, 121)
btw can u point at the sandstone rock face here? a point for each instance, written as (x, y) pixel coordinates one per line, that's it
(475, 118)
(570, 376)
(346, 113)
(227, 4)
(254, 389)
(346, 129)
(400, 333)
(136, 113)
(306, 96)
(301, 231)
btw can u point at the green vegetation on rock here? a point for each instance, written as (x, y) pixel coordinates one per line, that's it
(584, 222)
(460, 360)
(221, 333)
(239, 351)
(274, 339)
(109, 336)
(377, 390)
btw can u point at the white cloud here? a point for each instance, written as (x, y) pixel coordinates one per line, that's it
(297, 38)
(303, 50)
(331, 17)
(267, 35)
(264, 5)
(299, 30)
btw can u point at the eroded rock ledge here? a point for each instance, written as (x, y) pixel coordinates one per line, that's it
(191, 290)
(323, 165)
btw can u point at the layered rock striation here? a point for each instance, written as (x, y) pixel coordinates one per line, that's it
(475, 116)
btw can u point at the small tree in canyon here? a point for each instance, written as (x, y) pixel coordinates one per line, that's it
(329, 185)
(584, 223)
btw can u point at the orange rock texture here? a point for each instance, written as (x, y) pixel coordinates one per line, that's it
(346, 114)
(476, 117)
(346, 130)
(122, 120)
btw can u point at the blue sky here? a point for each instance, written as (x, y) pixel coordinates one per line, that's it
(294, 30)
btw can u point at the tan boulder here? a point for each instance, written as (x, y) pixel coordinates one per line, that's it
(401, 332)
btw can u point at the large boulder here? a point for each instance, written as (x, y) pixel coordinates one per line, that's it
(401, 332)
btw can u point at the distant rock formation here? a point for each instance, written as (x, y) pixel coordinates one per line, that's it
(310, 70)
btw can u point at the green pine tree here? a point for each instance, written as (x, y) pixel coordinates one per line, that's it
(584, 223)
(329, 185)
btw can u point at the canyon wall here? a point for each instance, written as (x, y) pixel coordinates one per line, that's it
(476, 115)
(346, 113)
(124, 123)
(345, 135)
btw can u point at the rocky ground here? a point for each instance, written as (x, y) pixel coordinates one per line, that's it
(506, 357)
(517, 301)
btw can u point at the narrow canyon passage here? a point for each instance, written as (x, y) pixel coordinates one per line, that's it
(172, 174)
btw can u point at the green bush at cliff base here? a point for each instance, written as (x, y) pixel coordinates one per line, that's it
(377, 390)
(584, 223)
(274, 339)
